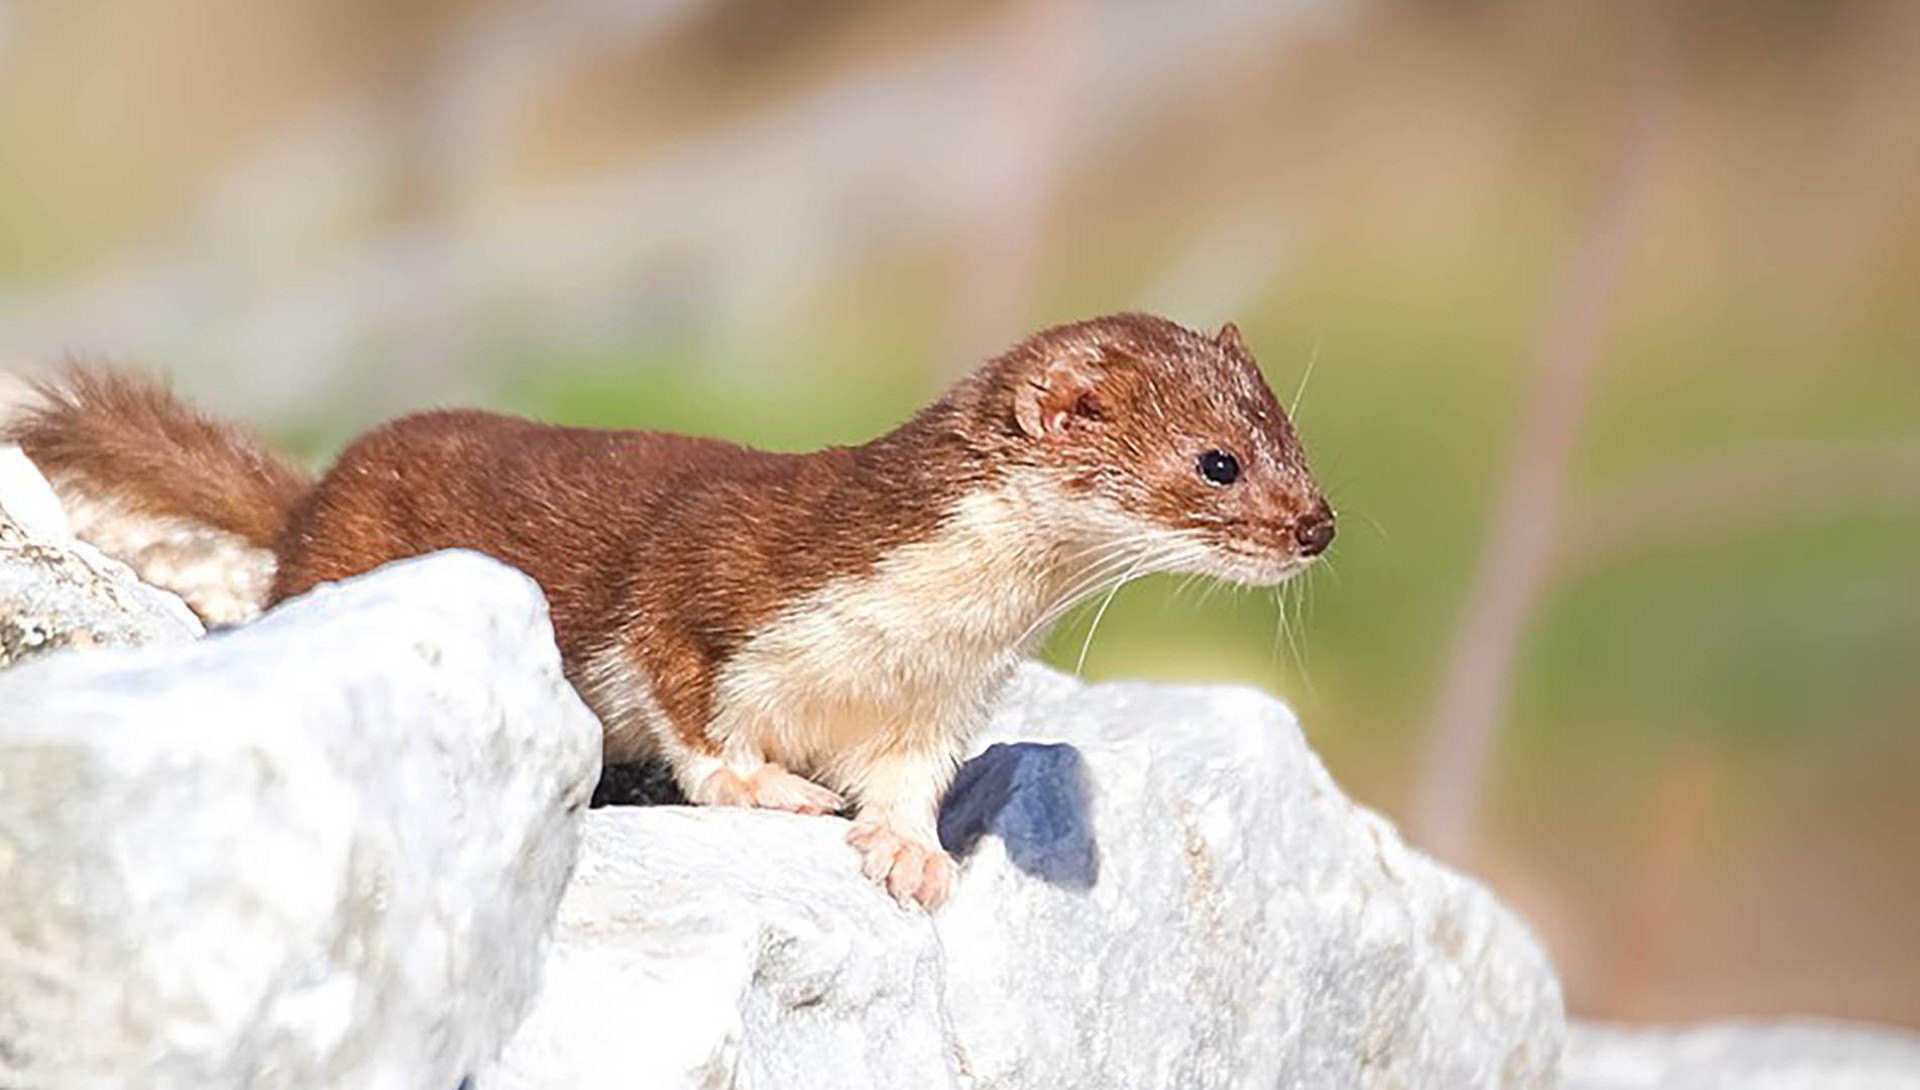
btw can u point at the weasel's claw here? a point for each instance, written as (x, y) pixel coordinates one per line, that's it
(908, 869)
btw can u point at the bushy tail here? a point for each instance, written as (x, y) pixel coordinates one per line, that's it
(122, 439)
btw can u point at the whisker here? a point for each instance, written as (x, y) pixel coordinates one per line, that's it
(1072, 597)
(1348, 512)
(1066, 606)
(1212, 588)
(1333, 571)
(1184, 585)
(1094, 579)
(1300, 391)
(1293, 645)
(1279, 623)
(1093, 628)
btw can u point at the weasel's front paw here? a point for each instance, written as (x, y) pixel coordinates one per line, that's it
(770, 787)
(908, 868)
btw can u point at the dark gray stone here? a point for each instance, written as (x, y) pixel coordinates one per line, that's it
(1037, 799)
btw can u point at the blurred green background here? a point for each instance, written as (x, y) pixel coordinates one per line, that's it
(792, 223)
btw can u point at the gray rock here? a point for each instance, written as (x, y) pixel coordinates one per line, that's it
(1742, 1055)
(320, 851)
(1036, 798)
(1164, 888)
(56, 592)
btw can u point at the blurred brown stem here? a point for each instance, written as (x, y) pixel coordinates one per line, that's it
(1515, 561)
(1668, 856)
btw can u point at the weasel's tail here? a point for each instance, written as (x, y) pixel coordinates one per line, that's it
(124, 440)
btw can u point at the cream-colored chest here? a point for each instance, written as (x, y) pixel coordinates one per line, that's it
(905, 656)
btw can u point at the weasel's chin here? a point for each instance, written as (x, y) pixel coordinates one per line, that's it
(1257, 571)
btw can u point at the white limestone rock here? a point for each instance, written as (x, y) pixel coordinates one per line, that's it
(27, 498)
(1250, 925)
(1803, 1054)
(56, 592)
(1165, 888)
(729, 948)
(321, 851)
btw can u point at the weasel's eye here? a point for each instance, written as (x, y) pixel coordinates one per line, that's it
(1219, 467)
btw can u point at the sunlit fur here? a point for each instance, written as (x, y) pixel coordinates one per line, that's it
(1151, 398)
(874, 684)
(844, 615)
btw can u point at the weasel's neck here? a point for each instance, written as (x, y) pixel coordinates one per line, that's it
(992, 579)
(996, 560)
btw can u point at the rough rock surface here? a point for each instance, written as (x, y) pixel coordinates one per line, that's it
(1164, 888)
(683, 960)
(321, 851)
(1743, 1055)
(56, 592)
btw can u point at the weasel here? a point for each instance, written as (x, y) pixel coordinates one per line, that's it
(784, 630)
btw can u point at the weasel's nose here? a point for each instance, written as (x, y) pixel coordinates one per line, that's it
(1314, 532)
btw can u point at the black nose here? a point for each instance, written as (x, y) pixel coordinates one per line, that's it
(1314, 532)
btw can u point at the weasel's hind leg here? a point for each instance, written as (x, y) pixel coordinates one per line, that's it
(769, 787)
(640, 723)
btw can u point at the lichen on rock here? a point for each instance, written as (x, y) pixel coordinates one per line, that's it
(57, 592)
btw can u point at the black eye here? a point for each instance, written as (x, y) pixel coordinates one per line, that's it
(1219, 467)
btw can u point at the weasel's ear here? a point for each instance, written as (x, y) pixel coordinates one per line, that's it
(1229, 339)
(1052, 398)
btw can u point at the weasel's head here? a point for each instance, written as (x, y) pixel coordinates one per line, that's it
(1151, 441)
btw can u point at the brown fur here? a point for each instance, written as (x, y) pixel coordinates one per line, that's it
(1148, 397)
(677, 548)
(115, 435)
(676, 551)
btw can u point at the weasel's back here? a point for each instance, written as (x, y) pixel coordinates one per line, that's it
(567, 506)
